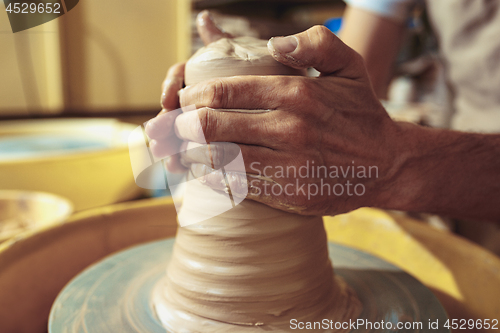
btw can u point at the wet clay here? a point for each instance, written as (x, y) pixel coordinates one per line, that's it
(232, 57)
(252, 268)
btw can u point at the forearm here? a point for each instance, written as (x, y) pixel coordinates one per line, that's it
(450, 173)
(377, 40)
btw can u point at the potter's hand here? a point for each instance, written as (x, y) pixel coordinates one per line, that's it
(331, 123)
(174, 81)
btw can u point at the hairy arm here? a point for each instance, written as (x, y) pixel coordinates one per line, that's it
(447, 172)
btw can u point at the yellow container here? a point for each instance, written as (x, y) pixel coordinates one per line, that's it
(89, 177)
(465, 277)
(22, 210)
(37, 264)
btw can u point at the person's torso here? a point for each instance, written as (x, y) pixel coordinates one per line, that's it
(469, 39)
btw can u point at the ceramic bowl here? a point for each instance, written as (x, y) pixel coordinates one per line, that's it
(84, 160)
(22, 210)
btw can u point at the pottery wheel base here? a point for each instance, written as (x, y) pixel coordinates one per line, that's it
(115, 294)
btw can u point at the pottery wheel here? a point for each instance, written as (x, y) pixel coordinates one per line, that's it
(114, 295)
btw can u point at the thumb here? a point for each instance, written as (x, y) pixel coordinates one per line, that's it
(318, 47)
(208, 30)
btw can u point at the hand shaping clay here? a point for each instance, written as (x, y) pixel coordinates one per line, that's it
(232, 57)
(252, 268)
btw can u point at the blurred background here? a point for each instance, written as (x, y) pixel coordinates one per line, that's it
(110, 57)
(95, 73)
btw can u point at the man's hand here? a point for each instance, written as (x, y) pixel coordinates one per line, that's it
(333, 122)
(332, 126)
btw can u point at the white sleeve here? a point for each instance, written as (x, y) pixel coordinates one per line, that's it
(395, 9)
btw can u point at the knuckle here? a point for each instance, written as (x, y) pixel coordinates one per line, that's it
(321, 30)
(321, 34)
(321, 38)
(208, 122)
(300, 92)
(216, 94)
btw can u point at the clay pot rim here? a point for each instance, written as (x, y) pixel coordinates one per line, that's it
(65, 209)
(29, 240)
(42, 126)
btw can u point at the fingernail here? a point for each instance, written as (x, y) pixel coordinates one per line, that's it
(284, 44)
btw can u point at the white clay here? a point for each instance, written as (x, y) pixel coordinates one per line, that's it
(231, 57)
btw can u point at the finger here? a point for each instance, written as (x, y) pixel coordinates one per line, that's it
(207, 125)
(171, 85)
(272, 192)
(208, 30)
(249, 92)
(162, 126)
(174, 165)
(217, 155)
(185, 146)
(318, 47)
(222, 180)
(163, 148)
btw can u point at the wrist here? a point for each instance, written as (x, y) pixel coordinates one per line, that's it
(410, 175)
